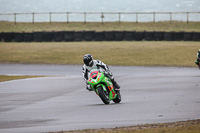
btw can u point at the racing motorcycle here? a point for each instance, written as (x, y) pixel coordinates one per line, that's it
(103, 86)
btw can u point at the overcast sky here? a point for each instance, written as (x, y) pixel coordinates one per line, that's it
(10, 6)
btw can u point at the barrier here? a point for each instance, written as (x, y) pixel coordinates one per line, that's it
(18, 37)
(89, 35)
(69, 36)
(129, 35)
(168, 36)
(139, 36)
(178, 36)
(149, 36)
(196, 36)
(7, 36)
(38, 36)
(188, 36)
(28, 37)
(60, 36)
(159, 36)
(109, 36)
(0, 36)
(48, 36)
(99, 36)
(78, 36)
(118, 35)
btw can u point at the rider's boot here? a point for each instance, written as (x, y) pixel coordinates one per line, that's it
(196, 62)
(117, 87)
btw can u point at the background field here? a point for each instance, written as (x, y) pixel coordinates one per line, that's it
(95, 26)
(112, 53)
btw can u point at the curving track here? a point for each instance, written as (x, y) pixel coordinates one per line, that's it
(60, 102)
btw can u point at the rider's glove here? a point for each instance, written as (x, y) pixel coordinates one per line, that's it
(107, 72)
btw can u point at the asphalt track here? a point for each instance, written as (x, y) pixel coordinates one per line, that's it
(60, 102)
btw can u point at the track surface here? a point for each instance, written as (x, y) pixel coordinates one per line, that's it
(61, 103)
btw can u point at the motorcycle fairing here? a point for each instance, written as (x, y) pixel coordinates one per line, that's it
(97, 79)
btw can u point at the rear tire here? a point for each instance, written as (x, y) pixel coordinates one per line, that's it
(103, 95)
(118, 98)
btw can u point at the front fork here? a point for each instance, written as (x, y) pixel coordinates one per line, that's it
(111, 94)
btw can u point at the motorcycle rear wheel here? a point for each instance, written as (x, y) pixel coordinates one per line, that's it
(103, 95)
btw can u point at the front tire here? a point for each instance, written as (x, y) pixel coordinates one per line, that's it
(118, 98)
(103, 95)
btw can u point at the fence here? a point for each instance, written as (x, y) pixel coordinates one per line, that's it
(101, 16)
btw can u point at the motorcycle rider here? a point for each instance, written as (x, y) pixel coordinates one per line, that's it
(89, 64)
(198, 56)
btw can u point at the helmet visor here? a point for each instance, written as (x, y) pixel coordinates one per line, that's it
(90, 63)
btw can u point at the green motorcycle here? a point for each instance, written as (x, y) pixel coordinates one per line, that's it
(103, 87)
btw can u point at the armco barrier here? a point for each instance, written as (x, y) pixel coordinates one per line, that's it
(60, 36)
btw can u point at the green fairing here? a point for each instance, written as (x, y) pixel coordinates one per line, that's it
(102, 80)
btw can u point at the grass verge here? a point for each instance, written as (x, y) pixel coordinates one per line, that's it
(96, 26)
(112, 53)
(7, 78)
(191, 126)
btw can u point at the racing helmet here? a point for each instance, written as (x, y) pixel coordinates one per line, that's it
(88, 60)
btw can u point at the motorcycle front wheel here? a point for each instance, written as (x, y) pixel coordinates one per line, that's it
(103, 95)
(118, 98)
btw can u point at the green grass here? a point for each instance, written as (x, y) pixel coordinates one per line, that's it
(96, 26)
(112, 53)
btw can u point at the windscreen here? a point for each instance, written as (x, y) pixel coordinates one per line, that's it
(94, 74)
